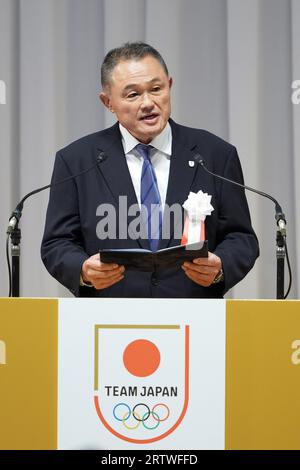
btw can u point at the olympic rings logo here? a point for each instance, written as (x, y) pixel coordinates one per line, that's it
(122, 412)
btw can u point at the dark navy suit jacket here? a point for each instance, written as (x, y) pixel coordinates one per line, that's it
(70, 231)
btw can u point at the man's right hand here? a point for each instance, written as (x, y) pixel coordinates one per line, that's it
(101, 275)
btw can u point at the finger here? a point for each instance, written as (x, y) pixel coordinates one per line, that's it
(212, 260)
(92, 258)
(96, 265)
(200, 269)
(107, 274)
(99, 271)
(197, 274)
(202, 280)
(103, 284)
(109, 266)
(202, 261)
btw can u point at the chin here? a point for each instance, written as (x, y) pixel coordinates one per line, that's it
(153, 131)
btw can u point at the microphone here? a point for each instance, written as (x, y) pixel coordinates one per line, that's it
(17, 213)
(279, 215)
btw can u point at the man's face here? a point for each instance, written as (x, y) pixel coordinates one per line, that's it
(139, 94)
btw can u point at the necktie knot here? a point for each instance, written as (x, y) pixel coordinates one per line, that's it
(144, 150)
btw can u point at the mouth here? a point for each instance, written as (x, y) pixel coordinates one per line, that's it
(150, 118)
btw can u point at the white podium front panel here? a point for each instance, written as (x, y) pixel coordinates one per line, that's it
(141, 374)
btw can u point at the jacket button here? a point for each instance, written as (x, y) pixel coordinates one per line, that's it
(154, 280)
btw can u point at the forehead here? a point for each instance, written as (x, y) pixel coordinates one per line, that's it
(135, 71)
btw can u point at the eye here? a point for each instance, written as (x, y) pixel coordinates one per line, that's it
(156, 88)
(132, 95)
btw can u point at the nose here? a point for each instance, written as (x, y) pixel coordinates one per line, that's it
(147, 102)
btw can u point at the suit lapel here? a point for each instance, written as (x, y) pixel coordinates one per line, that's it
(114, 170)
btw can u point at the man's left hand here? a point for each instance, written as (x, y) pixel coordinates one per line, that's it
(203, 270)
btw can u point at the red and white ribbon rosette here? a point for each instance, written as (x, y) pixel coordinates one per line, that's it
(197, 207)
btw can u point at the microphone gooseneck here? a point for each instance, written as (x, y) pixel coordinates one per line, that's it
(279, 215)
(17, 213)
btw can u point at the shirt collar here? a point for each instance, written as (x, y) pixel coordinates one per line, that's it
(162, 142)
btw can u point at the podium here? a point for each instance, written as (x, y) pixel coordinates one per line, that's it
(149, 374)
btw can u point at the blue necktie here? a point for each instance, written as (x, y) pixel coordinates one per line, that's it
(150, 198)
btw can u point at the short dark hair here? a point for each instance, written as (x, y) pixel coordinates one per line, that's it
(130, 50)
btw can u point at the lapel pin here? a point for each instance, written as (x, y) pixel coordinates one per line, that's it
(191, 163)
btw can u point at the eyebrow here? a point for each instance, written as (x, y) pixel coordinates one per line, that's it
(132, 85)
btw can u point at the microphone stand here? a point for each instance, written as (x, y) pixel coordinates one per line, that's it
(280, 257)
(14, 232)
(15, 260)
(281, 248)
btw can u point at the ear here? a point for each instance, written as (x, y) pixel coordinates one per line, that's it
(170, 82)
(105, 98)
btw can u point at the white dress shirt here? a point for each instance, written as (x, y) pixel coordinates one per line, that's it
(160, 158)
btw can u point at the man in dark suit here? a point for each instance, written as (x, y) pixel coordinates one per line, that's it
(136, 87)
